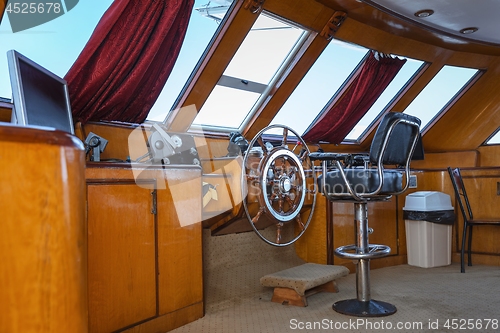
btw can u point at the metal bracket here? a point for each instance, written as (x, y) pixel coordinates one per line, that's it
(254, 6)
(154, 203)
(333, 25)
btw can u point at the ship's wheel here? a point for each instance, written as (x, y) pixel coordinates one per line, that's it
(275, 186)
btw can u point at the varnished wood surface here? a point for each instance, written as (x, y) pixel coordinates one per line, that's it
(443, 160)
(5, 110)
(399, 26)
(482, 189)
(43, 243)
(145, 267)
(122, 256)
(179, 241)
(2, 6)
(169, 321)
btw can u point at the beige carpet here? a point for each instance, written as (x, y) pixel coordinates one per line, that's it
(424, 297)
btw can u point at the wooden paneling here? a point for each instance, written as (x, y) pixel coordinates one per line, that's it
(382, 217)
(43, 242)
(145, 247)
(169, 321)
(118, 139)
(398, 26)
(122, 256)
(489, 156)
(179, 240)
(5, 112)
(461, 159)
(482, 190)
(226, 176)
(311, 247)
(2, 7)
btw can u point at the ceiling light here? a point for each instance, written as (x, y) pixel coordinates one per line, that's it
(467, 31)
(424, 13)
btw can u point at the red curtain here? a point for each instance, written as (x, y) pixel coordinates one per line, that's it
(125, 64)
(375, 75)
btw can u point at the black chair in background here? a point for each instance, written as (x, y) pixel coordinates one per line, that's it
(469, 220)
(360, 179)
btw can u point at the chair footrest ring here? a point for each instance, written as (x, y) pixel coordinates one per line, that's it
(375, 251)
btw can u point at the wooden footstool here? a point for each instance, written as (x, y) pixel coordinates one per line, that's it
(293, 286)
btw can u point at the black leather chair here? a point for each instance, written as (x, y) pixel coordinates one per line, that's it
(469, 220)
(364, 178)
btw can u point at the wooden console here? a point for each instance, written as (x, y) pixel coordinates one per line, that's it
(144, 247)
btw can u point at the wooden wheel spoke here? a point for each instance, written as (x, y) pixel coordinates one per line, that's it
(285, 136)
(278, 233)
(282, 167)
(277, 177)
(280, 204)
(299, 222)
(292, 204)
(262, 145)
(272, 197)
(259, 214)
(303, 156)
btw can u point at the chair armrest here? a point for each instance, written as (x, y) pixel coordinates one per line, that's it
(360, 160)
(328, 156)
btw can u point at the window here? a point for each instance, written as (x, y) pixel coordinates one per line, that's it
(494, 139)
(442, 91)
(332, 68)
(203, 24)
(405, 74)
(251, 73)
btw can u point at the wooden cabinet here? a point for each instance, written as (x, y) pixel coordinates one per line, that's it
(144, 247)
(122, 255)
(43, 241)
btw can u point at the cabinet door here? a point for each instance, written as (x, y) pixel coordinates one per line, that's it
(122, 270)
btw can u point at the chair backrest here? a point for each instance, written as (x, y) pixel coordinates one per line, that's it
(460, 193)
(395, 139)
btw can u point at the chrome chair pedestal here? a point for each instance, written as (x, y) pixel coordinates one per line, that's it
(363, 178)
(363, 306)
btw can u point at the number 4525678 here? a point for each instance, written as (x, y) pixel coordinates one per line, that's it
(471, 324)
(33, 8)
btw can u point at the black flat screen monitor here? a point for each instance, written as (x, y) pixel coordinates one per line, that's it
(40, 97)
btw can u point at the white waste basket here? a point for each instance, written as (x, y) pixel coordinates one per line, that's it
(429, 217)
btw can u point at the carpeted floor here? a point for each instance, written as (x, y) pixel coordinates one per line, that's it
(438, 299)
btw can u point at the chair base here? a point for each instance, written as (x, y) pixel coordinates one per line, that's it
(371, 308)
(363, 305)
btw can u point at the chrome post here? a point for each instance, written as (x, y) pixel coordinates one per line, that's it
(362, 244)
(363, 305)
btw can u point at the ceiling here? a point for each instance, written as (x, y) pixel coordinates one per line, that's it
(449, 16)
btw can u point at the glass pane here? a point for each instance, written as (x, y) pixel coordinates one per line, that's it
(258, 59)
(439, 92)
(409, 69)
(203, 24)
(263, 50)
(56, 44)
(495, 139)
(227, 107)
(325, 77)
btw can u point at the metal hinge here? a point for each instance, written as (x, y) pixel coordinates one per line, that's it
(333, 24)
(153, 207)
(254, 6)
